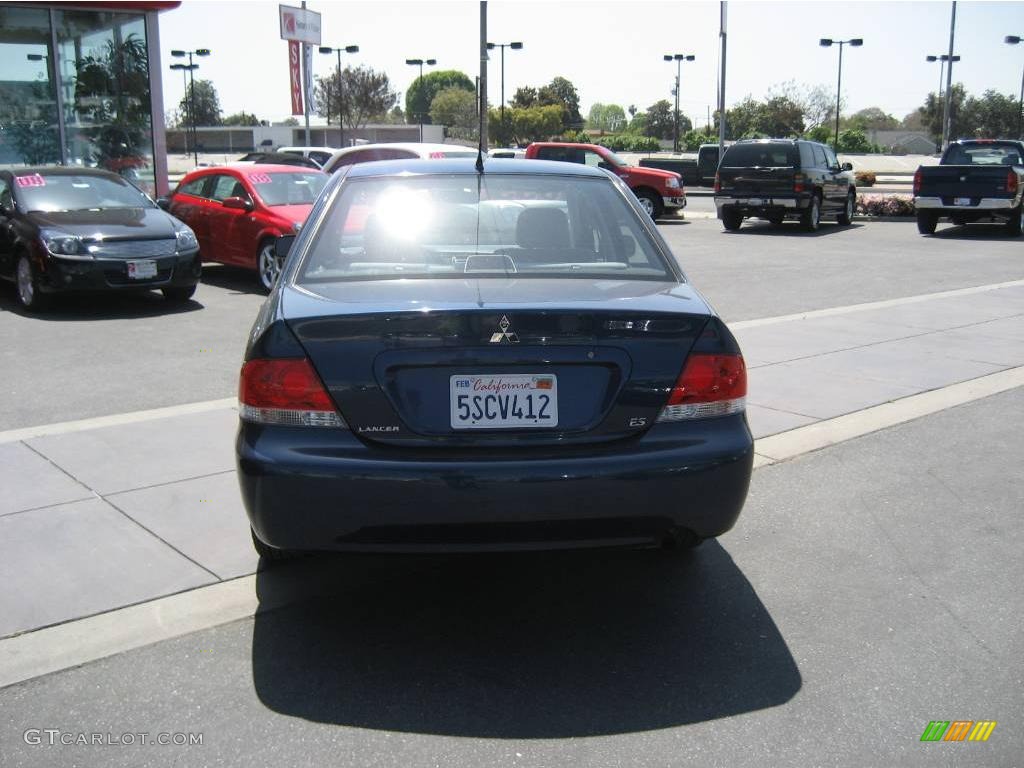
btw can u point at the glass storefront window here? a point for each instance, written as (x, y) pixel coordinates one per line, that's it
(107, 110)
(29, 133)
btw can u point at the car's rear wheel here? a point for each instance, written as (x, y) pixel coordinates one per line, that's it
(651, 203)
(27, 282)
(178, 295)
(846, 217)
(270, 553)
(267, 264)
(732, 220)
(927, 221)
(810, 219)
(1013, 224)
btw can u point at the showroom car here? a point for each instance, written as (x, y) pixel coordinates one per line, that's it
(65, 230)
(509, 358)
(237, 212)
(368, 153)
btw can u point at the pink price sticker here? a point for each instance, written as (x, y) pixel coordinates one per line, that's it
(35, 180)
(260, 178)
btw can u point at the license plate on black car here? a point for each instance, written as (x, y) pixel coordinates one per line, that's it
(141, 269)
(504, 401)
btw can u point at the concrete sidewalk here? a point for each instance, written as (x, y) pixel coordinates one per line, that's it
(99, 518)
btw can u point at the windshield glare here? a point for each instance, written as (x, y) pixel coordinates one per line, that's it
(68, 192)
(450, 226)
(288, 188)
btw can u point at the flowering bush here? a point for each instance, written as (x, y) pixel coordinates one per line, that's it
(865, 178)
(890, 205)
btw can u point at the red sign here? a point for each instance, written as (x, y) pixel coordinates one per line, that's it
(295, 76)
(35, 180)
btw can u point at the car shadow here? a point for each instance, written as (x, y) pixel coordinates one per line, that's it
(790, 229)
(518, 646)
(234, 279)
(98, 306)
(973, 232)
(671, 222)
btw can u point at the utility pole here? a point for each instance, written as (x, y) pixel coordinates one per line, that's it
(723, 10)
(483, 75)
(948, 110)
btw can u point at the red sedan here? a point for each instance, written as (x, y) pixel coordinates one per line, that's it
(238, 211)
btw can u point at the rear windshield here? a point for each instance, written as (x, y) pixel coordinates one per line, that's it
(69, 192)
(761, 156)
(497, 225)
(287, 188)
(982, 154)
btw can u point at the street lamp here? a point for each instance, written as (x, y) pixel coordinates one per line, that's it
(190, 68)
(678, 58)
(942, 59)
(503, 46)
(826, 42)
(1015, 40)
(419, 63)
(341, 89)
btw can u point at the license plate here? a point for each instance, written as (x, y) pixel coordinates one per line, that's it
(504, 401)
(141, 269)
(962, 201)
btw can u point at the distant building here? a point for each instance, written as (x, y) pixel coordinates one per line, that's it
(237, 138)
(903, 142)
(81, 86)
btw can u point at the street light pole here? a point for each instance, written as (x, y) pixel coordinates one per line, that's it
(826, 42)
(942, 59)
(679, 58)
(191, 68)
(1015, 40)
(419, 63)
(341, 87)
(515, 47)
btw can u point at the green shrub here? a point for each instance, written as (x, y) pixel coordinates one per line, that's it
(890, 205)
(865, 178)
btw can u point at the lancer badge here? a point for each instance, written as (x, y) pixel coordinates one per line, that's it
(504, 332)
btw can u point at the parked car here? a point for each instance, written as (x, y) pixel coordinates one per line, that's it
(780, 179)
(697, 173)
(319, 155)
(507, 360)
(508, 153)
(658, 191)
(368, 153)
(277, 158)
(68, 230)
(238, 211)
(976, 180)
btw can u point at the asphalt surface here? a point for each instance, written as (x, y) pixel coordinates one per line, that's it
(828, 629)
(115, 354)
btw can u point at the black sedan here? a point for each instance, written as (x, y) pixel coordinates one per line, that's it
(85, 229)
(510, 358)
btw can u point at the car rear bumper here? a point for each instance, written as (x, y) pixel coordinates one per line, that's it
(766, 205)
(1003, 204)
(69, 275)
(326, 489)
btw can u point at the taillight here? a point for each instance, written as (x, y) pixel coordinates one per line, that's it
(917, 182)
(798, 182)
(718, 184)
(710, 385)
(285, 391)
(1011, 182)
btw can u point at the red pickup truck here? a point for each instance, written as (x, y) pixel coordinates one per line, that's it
(658, 191)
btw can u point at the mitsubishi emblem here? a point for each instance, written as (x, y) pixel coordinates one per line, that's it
(504, 332)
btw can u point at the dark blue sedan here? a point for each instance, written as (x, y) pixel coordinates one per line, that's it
(510, 358)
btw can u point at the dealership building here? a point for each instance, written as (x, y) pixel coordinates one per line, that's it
(80, 85)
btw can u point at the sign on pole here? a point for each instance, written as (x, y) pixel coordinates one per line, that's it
(300, 25)
(295, 76)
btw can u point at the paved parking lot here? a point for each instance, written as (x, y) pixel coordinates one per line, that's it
(869, 588)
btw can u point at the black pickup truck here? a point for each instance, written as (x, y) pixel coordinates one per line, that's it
(976, 180)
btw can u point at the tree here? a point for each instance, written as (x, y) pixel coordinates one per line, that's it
(742, 120)
(780, 117)
(854, 140)
(527, 124)
(912, 122)
(933, 108)
(207, 104)
(817, 103)
(291, 122)
(562, 92)
(241, 118)
(421, 93)
(659, 121)
(990, 116)
(606, 117)
(872, 118)
(456, 109)
(367, 94)
(524, 97)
